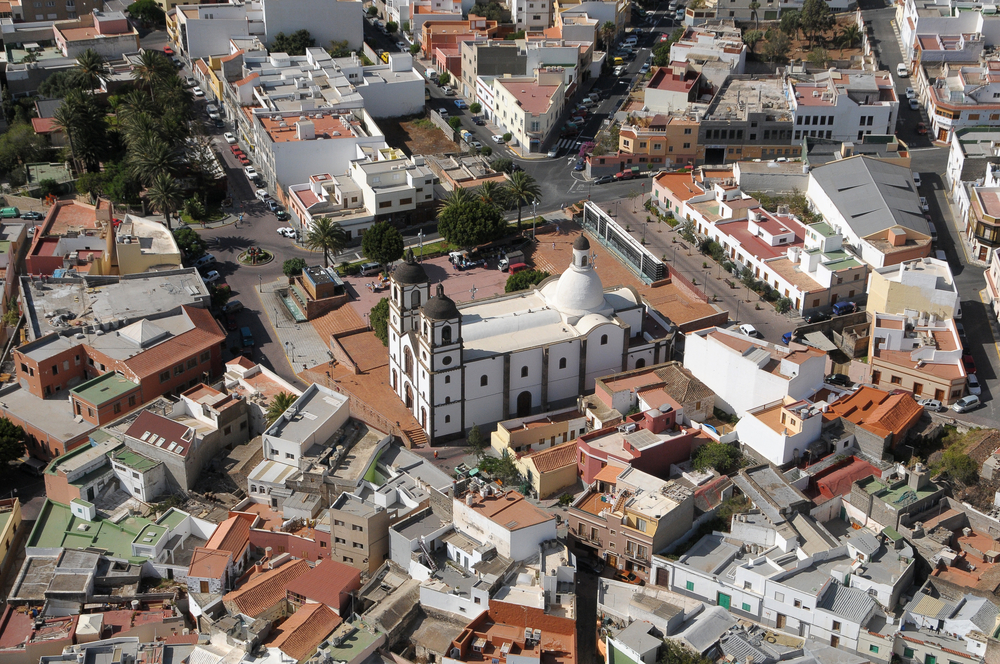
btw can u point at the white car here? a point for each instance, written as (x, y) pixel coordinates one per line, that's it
(250, 171)
(916, 178)
(901, 71)
(923, 204)
(914, 105)
(229, 138)
(402, 46)
(644, 68)
(261, 195)
(287, 231)
(619, 70)
(448, 91)
(211, 277)
(974, 387)
(497, 138)
(748, 329)
(553, 153)
(197, 92)
(911, 93)
(932, 405)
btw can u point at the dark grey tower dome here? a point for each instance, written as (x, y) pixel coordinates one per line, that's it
(410, 272)
(440, 307)
(581, 243)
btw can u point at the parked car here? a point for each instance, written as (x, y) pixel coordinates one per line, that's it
(460, 103)
(251, 172)
(273, 205)
(167, 51)
(838, 379)
(197, 92)
(211, 277)
(287, 231)
(604, 179)
(923, 204)
(627, 577)
(178, 63)
(921, 128)
(232, 307)
(282, 215)
(229, 138)
(478, 121)
(817, 317)
(841, 308)
(748, 329)
(911, 93)
(190, 81)
(31, 215)
(901, 70)
(476, 144)
(916, 178)
(553, 153)
(966, 403)
(261, 195)
(786, 338)
(968, 362)
(497, 138)
(205, 261)
(624, 175)
(591, 565)
(402, 46)
(580, 164)
(961, 329)
(914, 105)
(619, 70)
(974, 387)
(246, 337)
(448, 91)
(932, 405)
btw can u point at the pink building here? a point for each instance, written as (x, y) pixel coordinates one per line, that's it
(650, 442)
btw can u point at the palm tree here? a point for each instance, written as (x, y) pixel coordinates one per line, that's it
(327, 236)
(523, 189)
(608, 32)
(458, 197)
(91, 69)
(754, 6)
(71, 117)
(151, 157)
(165, 195)
(152, 68)
(491, 192)
(849, 36)
(281, 402)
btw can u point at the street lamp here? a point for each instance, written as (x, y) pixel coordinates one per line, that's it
(260, 284)
(534, 217)
(420, 239)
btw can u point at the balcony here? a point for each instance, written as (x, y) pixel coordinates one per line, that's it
(596, 541)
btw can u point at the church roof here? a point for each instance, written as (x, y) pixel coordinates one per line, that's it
(410, 272)
(440, 307)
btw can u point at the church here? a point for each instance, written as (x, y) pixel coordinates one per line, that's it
(514, 354)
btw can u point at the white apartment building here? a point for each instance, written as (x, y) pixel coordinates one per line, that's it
(531, 15)
(781, 431)
(939, 17)
(745, 373)
(962, 96)
(289, 146)
(312, 420)
(971, 156)
(387, 188)
(505, 520)
(842, 105)
(716, 41)
(600, 11)
(416, 12)
(529, 107)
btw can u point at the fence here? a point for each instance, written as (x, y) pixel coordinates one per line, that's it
(629, 250)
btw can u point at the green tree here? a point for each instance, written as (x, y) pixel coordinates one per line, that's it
(91, 69)
(46, 187)
(119, 184)
(776, 46)
(165, 195)
(11, 443)
(503, 165)
(152, 69)
(524, 189)
(91, 184)
(20, 145)
(190, 243)
(751, 38)
(475, 107)
(293, 267)
(455, 122)
(327, 236)
(491, 11)
(507, 137)
(281, 402)
(486, 151)
(471, 223)
(378, 318)
(194, 209)
(59, 84)
(675, 652)
(477, 443)
(340, 49)
(150, 158)
(382, 243)
(391, 27)
(818, 57)
(373, 11)
(444, 78)
(791, 21)
(754, 6)
(492, 192)
(608, 32)
(816, 19)
(148, 11)
(722, 457)
(849, 36)
(959, 465)
(405, 27)
(414, 49)
(524, 280)
(293, 44)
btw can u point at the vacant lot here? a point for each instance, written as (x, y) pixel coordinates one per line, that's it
(419, 136)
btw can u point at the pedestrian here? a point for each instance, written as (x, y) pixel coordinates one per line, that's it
(435, 454)
(553, 246)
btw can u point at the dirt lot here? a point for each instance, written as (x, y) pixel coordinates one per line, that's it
(418, 136)
(800, 46)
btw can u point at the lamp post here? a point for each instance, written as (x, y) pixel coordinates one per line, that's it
(534, 217)
(420, 239)
(260, 285)
(473, 291)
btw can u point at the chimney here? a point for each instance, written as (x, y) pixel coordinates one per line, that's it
(918, 478)
(655, 421)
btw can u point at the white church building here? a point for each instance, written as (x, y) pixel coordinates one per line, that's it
(513, 354)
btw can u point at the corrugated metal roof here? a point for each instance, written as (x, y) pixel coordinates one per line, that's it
(851, 603)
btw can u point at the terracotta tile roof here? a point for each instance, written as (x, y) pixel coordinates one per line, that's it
(298, 636)
(554, 458)
(608, 474)
(205, 335)
(510, 511)
(244, 81)
(242, 361)
(682, 385)
(161, 432)
(231, 57)
(44, 125)
(202, 66)
(232, 536)
(328, 583)
(267, 589)
(208, 563)
(877, 411)
(896, 414)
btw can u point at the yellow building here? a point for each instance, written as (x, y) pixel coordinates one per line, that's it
(10, 521)
(142, 245)
(543, 448)
(925, 285)
(663, 141)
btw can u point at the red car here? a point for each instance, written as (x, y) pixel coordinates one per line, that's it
(168, 51)
(968, 363)
(921, 128)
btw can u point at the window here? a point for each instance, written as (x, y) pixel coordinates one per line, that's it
(118, 407)
(872, 648)
(780, 597)
(798, 603)
(228, 430)
(179, 369)
(836, 626)
(289, 455)
(205, 357)
(135, 474)
(689, 585)
(322, 544)
(447, 379)
(746, 607)
(358, 545)
(562, 362)
(908, 653)
(165, 376)
(895, 380)
(484, 381)
(604, 340)
(524, 372)
(687, 131)
(356, 527)
(348, 560)
(339, 540)
(55, 370)
(131, 400)
(338, 522)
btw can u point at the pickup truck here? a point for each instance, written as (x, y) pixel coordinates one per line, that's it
(511, 258)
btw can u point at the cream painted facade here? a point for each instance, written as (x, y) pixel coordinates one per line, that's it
(923, 286)
(538, 432)
(10, 521)
(531, 128)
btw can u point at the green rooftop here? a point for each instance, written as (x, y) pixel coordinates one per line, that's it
(4, 518)
(892, 534)
(104, 389)
(134, 460)
(150, 535)
(172, 518)
(56, 527)
(822, 228)
(359, 637)
(896, 497)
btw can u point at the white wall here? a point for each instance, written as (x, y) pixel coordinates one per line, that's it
(463, 607)
(340, 20)
(517, 545)
(385, 96)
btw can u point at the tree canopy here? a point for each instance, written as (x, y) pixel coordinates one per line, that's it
(722, 457)
(382, 243)
(279, 404)
(524, 280)
(293, 44)
(471, 223)
(491, 11)
(149, 11)
(378, 318)
(11, 443)
(190, 242)
(293, 266)
(815, 18)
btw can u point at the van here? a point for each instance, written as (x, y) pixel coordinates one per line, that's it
(246, 337)
(466, 135)
(841, 308)
(369, 269)
(9, 213)
(933, 230)
(517, 267)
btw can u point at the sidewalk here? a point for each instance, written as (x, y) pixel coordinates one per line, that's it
(302, 345)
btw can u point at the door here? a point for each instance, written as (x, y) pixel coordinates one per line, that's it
(780, 621)
(204, 586)
(723, 600)
(943, 135)
(835, 641)
(524, 404)
(982, 253)
(930, 659)
(612, 561)
(90, 493)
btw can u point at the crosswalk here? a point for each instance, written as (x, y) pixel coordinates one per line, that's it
(565, 143)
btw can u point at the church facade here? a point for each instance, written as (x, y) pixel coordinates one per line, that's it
(514, 354)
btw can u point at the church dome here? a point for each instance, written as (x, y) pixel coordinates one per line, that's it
(410, 272)
(579, 289)
(440, 307)
(581, 243)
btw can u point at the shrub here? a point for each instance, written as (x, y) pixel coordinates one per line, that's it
(293, 267)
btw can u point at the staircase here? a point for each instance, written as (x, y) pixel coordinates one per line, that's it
(427, 554)
(622, 497)
(415, 437)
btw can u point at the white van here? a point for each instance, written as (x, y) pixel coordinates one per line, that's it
(901, 70)
(369, 269)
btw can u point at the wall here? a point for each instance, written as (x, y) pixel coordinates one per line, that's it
(463, 607)
(11, 508)
(517, 545)
(342, 20)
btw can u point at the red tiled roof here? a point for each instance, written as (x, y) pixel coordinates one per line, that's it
(231, 57)
(554, 458)
(150, 427)
(244, 81)
(205, 335)
(328, 583)
(243, 361)
(608, 474)
(267, 589)
(45, 125)
(298, 636)
(208, 563)
(232, 536)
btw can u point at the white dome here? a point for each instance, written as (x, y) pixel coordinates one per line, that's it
(579, 290)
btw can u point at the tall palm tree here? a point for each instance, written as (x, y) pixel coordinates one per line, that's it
(71, 117)
(608, 32)
(491, 192)
(327, 236)
(165, 195)
(458, 198)
(91, 69)
(281, 402)
(151, 157)
(754, 6)
(523, 189)
(849, 36)
(153, 68)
